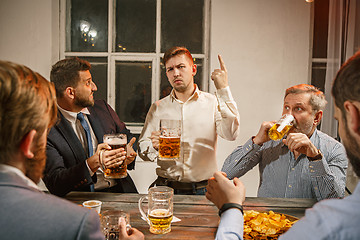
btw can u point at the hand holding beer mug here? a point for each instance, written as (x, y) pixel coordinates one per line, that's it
(110, 223)
(169, 140)
(160, 209)
(115, 141)
(281, 127)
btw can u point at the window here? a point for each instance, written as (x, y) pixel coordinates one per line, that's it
(320, 39)
(124, 40)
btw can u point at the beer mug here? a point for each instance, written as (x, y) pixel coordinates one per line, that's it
(110, 223)
(281, 127)
(116, 140)
(169, 141)
(160, 209)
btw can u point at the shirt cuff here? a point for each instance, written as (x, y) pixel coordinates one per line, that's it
(91, 172)
(224, 94)
(250, 145)
(317, 168)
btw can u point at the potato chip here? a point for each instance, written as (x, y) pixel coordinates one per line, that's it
(265, 225)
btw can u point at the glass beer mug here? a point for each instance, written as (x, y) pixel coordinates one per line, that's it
(160, 209)
(169, 140)
(116, 140)
(281, 127)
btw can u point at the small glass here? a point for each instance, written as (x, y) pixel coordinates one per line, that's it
(93, 204)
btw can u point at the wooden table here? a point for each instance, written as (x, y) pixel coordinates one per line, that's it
(199, 219)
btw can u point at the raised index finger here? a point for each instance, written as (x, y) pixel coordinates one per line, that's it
(222, 64)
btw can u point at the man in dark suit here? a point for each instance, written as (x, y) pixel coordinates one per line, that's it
(27, 110)
(73, 164)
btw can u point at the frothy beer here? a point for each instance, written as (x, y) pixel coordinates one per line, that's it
(279, 129)
(120, 171)
(169, 147)
(160, 221)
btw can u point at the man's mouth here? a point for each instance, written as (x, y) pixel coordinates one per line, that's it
(177, 81)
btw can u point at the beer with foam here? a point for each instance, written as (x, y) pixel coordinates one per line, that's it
(160, 209)
(116, 141)
(160, 221)
(169, 140)
(279, 129)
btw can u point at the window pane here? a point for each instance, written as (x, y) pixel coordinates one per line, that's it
(321, 19)
(165, 87)
(99, 75)
(182, 24)
(135, 25)
(318, 75)
(88, 26)
(133, 90)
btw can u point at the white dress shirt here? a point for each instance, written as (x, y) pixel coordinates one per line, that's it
(203, 116)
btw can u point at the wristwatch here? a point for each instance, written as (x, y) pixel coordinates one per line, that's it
(226, 206)
(317, 157)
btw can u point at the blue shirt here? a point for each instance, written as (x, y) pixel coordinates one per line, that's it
(283, 176)
(328, 219)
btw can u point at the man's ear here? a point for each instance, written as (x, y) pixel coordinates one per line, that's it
(70, 92)
(353, 116)
(194, 70)
(318, 117)
(26, 143)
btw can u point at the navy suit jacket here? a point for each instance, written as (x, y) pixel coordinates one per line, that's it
(66, 168)
(27, 214)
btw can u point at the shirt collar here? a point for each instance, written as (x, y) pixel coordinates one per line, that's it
(72, 116)
(194, 96)
(4, 168)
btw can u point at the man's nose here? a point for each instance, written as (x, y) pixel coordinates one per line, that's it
(176, 72)
(93, 87)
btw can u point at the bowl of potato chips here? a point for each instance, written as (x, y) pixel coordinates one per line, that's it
(266, 225)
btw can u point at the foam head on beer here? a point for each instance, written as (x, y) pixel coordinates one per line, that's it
(115, 143)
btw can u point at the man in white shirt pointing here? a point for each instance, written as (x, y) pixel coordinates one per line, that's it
(203, 117)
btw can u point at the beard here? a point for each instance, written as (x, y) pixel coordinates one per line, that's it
(84, 101)
(34, 167)
(352, 150)
(304, 128)
(180, 88)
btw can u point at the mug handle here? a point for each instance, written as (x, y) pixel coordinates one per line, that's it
(102, 165)
(141, 209)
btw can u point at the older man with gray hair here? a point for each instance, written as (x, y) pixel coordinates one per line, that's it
(304, 164)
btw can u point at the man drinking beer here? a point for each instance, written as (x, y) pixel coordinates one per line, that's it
(203, 117)
(305, 164)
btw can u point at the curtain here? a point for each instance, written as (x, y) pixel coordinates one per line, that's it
(341, 46)
(341, 34)
(329, 124)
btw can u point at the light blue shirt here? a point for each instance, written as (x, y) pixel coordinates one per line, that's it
(328, 219)
(231, 226)
(283, 176)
